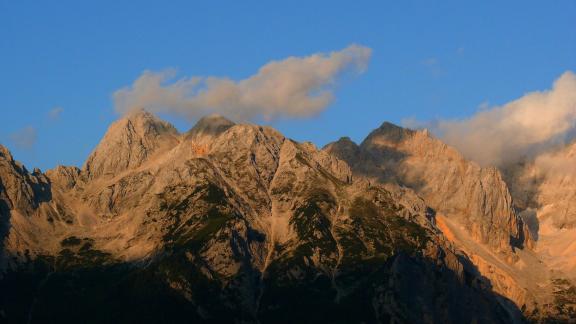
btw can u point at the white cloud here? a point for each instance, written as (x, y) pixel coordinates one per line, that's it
(55, 113)
(24, 138)
(522, 128)
(293, 87)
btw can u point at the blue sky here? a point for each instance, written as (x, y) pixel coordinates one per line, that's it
(430, 59)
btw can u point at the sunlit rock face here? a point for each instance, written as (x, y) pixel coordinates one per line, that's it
(476, 197)
(129, 143)
(544, 188)
(236, 223)
(503, 231)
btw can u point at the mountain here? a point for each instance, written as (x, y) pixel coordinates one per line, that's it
(545, 189)
(128, 143)
(475, 210)
(237, 223)
(478, 198)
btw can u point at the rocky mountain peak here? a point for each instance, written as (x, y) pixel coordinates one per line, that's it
(211, 125)
(449, 183)
(345, 141)
(129, 142)
(390, 132)
(5, 153)
(145, 123)
(22, 190)
(345, 149)
(237, 219)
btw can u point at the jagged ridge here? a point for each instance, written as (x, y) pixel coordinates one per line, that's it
(232, 222)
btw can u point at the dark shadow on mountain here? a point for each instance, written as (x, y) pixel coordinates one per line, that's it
(4, 220)
(431, 215)
(404, 288)
(524, 192)
(530, 218)
(210, 125)
(42, 191)
(523, 189)
(40, 185)
(385, 165)
(473, 277)
(532, 224)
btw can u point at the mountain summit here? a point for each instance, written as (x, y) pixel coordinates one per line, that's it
(129, 142)
(211, 125)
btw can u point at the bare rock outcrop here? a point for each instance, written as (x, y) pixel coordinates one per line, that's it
(128, 143)
(230, 223)
(450, 184)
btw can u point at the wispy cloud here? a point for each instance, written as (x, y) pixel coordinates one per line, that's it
(433, 66)
(24, 138)
(431, 61)
(522, 128)
(293, 87)
(55, 113)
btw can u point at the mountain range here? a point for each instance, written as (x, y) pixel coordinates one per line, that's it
(237, 223)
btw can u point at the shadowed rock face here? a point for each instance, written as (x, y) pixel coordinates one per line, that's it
(211, 125)
(226, 223)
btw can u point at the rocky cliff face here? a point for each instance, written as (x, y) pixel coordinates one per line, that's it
(535, 260)
(130, 142)
(544, 188)
(229, 223)
(474, 209)
(24, 198)
(547, 182)
(453, 186)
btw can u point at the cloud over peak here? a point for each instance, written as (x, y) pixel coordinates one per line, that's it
(55, 113)
(522, 128)
(24, 138)
(293, 87)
